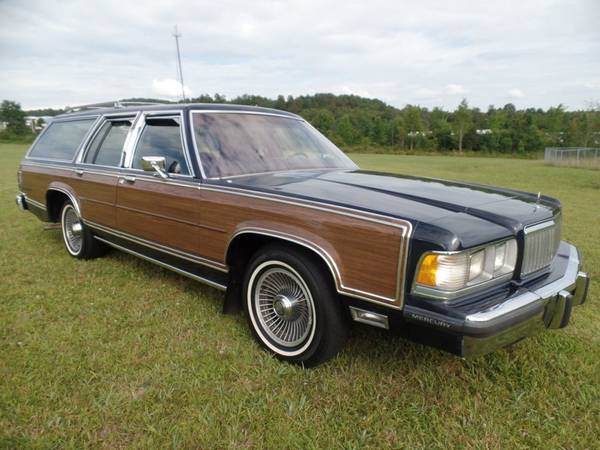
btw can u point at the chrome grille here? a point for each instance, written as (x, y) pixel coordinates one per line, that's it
(541, 245)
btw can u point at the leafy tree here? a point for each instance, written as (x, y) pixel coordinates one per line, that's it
(397, 131)
(414, 124)
(13, 115)
(322, 119)
(218, 98)
(441, 129)
(346, 131)
(45, 112)
(462, 122)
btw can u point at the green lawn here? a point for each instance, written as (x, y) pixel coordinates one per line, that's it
(117, 353)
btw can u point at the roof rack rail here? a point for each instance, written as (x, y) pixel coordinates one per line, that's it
(115, 104)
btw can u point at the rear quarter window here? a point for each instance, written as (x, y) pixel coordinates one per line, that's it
(61, 140)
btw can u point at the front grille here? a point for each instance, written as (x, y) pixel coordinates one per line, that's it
(541, 245)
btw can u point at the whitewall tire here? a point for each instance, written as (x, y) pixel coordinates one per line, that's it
(292, 307)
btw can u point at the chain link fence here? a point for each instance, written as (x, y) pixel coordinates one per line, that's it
(588, 157)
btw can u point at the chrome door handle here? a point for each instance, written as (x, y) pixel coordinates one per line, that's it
(129, 179)
(79, 172)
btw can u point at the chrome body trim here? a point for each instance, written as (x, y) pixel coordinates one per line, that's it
(296, 240)
(540, 226)
(162, 248)
(195, 145)
(116, 172)
(163, 264)
(451, 295)
(233, 177)
(50, 164)
(68, 194)
(313, 204)
(241, 111)
(369, 318)
(172, 180)
(34, 203)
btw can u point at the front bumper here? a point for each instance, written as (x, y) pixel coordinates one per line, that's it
(542, 305)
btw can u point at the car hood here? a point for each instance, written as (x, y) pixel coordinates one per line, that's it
(465, 213)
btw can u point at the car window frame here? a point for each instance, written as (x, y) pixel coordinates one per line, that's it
(82, 144)
(98, 128)
(137, 131)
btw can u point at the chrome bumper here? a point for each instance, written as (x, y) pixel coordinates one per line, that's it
(544, 307)
(21, 203)
(545, 303)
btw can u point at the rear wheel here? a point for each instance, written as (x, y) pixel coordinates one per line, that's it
(78, 239)
(292, 306)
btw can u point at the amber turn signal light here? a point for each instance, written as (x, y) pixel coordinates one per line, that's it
(427, 270)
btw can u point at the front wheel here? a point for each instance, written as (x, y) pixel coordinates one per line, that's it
(292, 306)
(78, 239)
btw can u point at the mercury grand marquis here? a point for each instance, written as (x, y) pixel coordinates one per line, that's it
(258, 203)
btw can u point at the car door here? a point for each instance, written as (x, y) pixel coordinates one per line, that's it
(161, 212)
(98, 170)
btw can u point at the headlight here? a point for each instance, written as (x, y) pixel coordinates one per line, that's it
(449, 272)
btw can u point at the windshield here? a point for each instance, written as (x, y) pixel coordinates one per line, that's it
(232, 144)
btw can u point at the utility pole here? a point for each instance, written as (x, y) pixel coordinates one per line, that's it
(177, 35)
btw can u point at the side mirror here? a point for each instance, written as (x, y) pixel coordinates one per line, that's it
(156, 164)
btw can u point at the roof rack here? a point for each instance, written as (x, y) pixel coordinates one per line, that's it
(115, 104)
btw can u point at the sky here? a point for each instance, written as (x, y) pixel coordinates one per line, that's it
(532, 53)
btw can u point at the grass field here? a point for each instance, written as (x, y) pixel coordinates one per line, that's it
(117, 353)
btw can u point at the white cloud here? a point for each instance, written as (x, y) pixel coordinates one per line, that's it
(516, 93)
(351, 91)
(426, 93)
(592, 84)
(169, 88)
(439, 95)
(455, 89)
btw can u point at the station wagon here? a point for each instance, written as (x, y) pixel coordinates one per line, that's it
(257, 203)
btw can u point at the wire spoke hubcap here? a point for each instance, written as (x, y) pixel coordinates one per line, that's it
(284, 306)
(72, 229)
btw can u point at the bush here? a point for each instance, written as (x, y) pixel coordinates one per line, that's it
(10, 137)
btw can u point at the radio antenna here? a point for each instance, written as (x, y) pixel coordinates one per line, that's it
(177, 35)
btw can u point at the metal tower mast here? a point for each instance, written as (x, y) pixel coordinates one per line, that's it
(177, 35)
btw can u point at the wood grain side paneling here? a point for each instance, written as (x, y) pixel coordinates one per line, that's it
(160, 212)
(37, 179)
(367, 254)
(98, 194)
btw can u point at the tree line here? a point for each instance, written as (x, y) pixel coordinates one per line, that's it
(358, 123)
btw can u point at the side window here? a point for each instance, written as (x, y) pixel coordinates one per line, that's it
(61, 140)
(107, 147)
(162, 137)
